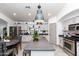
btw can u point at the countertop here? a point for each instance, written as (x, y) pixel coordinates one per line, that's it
(31, 34)
(74, 38)
(41, 45)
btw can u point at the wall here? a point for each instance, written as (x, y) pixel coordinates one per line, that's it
(69, 7)
(8, 20)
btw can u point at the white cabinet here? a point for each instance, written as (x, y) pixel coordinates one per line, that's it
(52, 33)
(42, 53)
(26, 38)
(77, 48)
(46, 36)
(61, 42)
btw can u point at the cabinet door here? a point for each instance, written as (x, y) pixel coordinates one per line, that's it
(19, 30)
(13, 32)
(4, 32)
(77, 48)
(52, 33)
(61, 41)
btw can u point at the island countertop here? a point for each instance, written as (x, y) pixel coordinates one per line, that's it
(41, 45)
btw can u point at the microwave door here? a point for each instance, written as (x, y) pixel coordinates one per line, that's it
(77, 27)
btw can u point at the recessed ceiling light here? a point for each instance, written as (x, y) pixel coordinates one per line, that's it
(49, 14)
(29, 14)
(14, 14)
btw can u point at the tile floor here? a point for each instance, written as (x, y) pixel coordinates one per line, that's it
(59, 51)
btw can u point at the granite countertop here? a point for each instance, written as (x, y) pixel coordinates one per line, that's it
(41, 45)
(31, 34)
(74, 38)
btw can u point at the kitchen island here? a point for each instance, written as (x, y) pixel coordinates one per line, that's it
(39, 48)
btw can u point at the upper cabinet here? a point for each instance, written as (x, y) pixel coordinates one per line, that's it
(14, 31)
(70, 23)
(28, 27)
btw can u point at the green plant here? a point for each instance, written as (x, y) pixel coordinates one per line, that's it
(35, 36)
(8, 37)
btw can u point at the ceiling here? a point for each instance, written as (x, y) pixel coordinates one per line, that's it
(28, 14)
(2, 22)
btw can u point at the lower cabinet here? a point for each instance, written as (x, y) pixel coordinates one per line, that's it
(42, 53)
(61, 42)
(26, 38)
(77, 48)
(13, 32)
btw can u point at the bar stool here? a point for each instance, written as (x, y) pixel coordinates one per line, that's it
(27, 53)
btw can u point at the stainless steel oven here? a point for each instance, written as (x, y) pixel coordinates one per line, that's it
(72, 27)
(69, 46)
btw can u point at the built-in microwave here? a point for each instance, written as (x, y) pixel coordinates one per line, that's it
(77, 27)
(72, 27)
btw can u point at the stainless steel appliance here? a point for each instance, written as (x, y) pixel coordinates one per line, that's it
(69, 46)
(74, 27)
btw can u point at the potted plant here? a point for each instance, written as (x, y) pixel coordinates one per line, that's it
(35, 36)
(7, 37)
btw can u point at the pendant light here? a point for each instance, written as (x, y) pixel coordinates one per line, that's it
(39, 18)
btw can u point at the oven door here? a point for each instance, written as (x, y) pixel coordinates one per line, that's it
(69, 46)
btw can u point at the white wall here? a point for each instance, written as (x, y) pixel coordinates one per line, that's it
(59, 30)
(8, 20)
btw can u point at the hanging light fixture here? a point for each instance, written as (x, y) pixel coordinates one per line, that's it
(39, 18)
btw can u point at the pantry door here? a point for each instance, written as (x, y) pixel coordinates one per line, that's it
(52, 33)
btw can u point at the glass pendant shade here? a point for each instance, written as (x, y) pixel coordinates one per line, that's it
(39, 18)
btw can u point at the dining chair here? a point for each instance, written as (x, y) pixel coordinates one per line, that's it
(4, 51)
